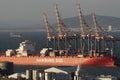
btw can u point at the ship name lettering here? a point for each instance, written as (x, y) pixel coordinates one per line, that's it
(59, 60)
(50, 60)
(45, 60)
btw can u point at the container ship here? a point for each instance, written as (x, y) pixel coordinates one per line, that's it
(90, 47)
(23, 56)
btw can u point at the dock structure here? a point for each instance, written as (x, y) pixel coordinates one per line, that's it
(90, 40)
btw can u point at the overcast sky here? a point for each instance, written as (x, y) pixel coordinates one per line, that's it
(32, 9)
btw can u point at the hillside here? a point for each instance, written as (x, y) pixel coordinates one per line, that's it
(103, 21)
(73, 22)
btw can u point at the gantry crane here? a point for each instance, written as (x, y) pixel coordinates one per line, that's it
(62, 29)
(64, 33)
(85, 31)
(51, 32)
(98, 34)
(98, 30)
(101, 38)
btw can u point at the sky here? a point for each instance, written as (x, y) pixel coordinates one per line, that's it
(32, 10)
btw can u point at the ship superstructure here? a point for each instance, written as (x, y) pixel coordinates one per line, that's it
(25, 48)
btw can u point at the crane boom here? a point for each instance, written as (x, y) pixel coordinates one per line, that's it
(85, 29)
(50, 30)
(60, 32)
(81, 20)
(98, 29)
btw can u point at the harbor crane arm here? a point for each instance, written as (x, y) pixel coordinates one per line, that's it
(62, 28)
(98, 29)
(60, 31)
(85, 29)
(50, 30)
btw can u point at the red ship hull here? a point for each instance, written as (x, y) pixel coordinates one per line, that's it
(60, 61)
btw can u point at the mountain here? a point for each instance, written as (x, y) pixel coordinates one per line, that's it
(103, 21)
(73, 22)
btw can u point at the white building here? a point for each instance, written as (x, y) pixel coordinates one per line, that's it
(17, 75)
(109, 77)
(110, 28)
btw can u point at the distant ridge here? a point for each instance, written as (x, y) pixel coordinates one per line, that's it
(73, 22)
(103, 21)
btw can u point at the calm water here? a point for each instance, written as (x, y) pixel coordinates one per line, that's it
(39, 38)
(7, 42)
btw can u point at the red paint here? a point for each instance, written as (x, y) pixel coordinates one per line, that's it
(60, 61)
